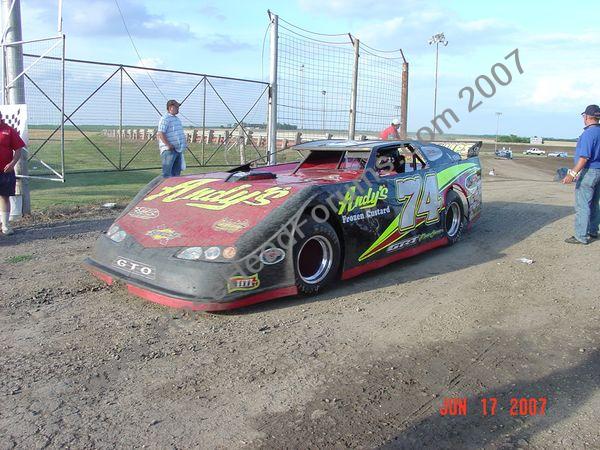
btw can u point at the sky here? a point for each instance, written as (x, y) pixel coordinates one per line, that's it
(558, 45)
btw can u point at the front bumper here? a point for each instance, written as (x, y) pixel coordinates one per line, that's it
(195, 285)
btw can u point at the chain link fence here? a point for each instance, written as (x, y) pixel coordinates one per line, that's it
(315, 82)
(112, 110)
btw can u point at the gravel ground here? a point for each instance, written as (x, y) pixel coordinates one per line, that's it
(365, 364)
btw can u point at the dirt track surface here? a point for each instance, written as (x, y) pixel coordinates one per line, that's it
(365, 364)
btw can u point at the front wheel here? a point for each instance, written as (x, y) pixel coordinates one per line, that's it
(454, 218)
(316, 256)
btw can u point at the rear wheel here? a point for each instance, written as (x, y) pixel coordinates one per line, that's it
(454, 218)
(316, 256)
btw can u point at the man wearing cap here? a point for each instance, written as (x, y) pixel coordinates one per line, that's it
(391, 132)
(586, 173)
(10, 152)
(171, 141)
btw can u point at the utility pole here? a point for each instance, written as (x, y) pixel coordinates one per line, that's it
(436, 39)
(498, 114)
(14, 88)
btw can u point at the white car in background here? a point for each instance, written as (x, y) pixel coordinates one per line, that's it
(558, 154)
(534, 151)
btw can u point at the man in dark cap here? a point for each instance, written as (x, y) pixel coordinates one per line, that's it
(586, 173)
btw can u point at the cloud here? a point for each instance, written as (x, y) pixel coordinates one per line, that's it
(353, 8)
(412, 31)
(150, 62)
(224, 43)
(102, 18)
(213, 12)
(563, 91)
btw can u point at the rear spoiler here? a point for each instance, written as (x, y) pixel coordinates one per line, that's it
(465, 149)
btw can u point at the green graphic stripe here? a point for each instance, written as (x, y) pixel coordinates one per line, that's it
(444, 179)
(447, 176)
(392, 227)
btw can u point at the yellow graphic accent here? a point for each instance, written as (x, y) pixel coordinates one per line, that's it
(229, 225)
(241, 283)
(352, 201)
(163, 234)
(196, 193)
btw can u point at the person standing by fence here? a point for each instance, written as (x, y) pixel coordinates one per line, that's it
(391, 132)
(171, 141)
(587, 174)
(10, 152)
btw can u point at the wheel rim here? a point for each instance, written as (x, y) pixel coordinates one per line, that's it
(453, 219)
(314, 259)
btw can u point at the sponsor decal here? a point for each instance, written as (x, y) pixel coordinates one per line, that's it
(229, 225)
(163, 234)
(272, 256)
(134, 267)
(352, 201)
(421, 205)
(141, 212)
(366, 215)
(428, 236)
(229, 252)
(473, 181)
(242, 283)
(413, 241)
(212, 253)
(199, 194)
(403, 244)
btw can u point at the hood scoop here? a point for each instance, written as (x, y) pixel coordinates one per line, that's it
(250, 176)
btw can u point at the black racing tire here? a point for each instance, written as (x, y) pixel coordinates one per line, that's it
(454, 218)
(317, 255)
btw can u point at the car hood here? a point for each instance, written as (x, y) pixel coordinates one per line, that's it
(204, 210)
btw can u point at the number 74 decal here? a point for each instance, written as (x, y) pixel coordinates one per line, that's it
(421, 203)
(421, 200)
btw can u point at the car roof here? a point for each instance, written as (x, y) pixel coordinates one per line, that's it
(346, 145)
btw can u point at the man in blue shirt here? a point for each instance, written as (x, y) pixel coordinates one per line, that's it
(587, 174)
(171, 141)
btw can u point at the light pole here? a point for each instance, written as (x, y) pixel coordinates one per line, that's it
(436, 39)
(498, 114)
(324, 92)
(397, 110)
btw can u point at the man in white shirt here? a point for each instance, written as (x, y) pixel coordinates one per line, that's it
(171, 141)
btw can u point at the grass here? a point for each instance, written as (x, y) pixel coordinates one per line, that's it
(107, 184)
(89, 188)
(19, 259)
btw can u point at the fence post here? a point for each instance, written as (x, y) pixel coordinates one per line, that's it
(121, 119)
(404, 99)
(203, 121)
(62, 105)
(272, 118)
(352, 124)
(15, 87)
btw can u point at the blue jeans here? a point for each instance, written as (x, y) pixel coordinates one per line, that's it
(587, 204)
(171, 163)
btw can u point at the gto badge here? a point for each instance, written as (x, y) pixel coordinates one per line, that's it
(134, 267)
(241, 283)
(272, 256)
(163, 234)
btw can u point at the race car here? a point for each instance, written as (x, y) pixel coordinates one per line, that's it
(557, 155)
(224, 240)
(504, 154)
(534, 151)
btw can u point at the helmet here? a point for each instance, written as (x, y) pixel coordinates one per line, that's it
(396, 121)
